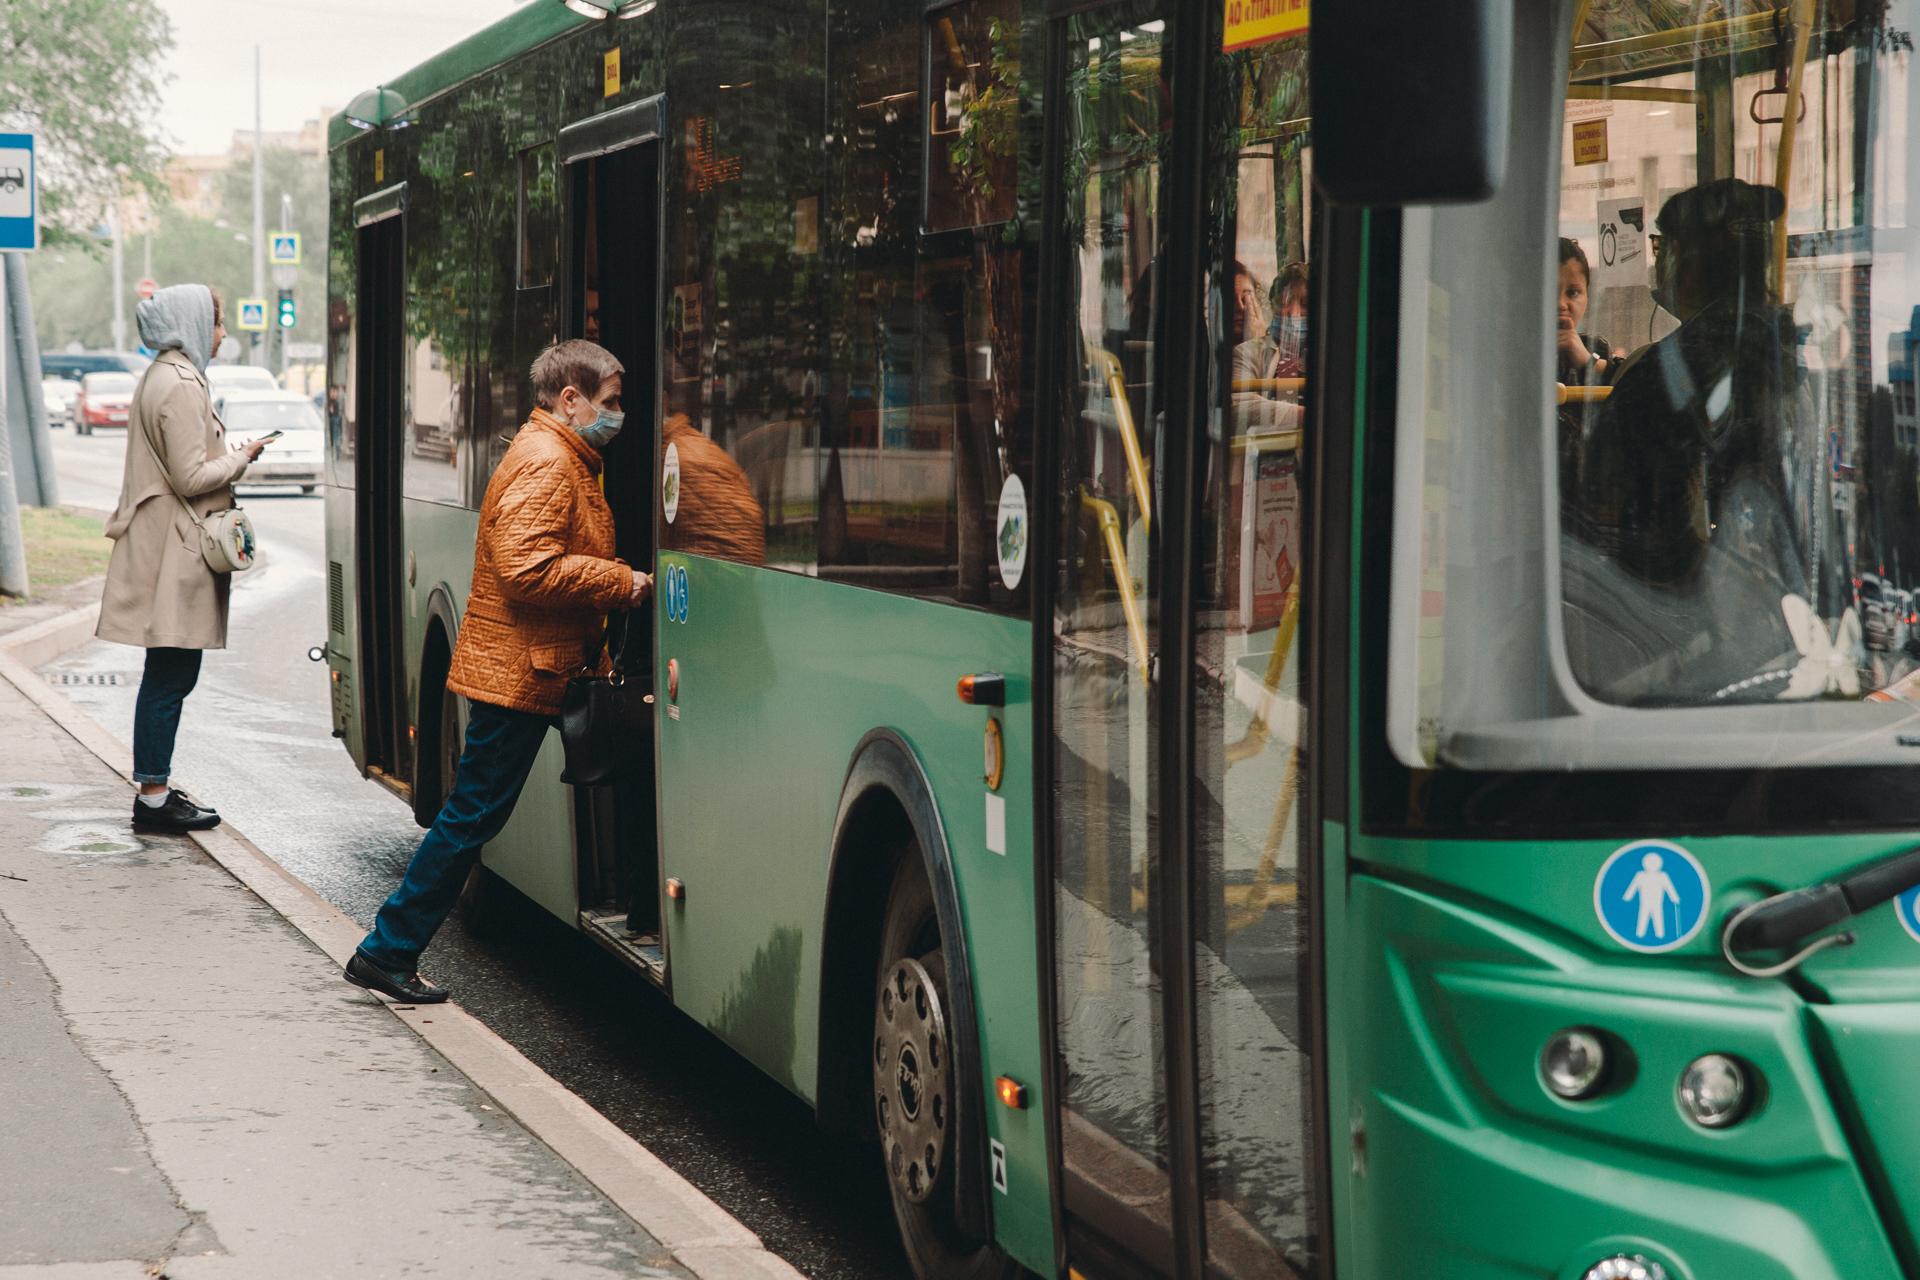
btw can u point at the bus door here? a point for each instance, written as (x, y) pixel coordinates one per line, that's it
(380, 310)
(1183, 1014)
(612, 180)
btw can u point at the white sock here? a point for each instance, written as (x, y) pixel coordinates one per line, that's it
(153, 801)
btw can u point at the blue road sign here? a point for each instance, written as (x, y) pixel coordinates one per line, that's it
(283, 248)
(253, 314)
(1651, 896)
(1907, 906)
(19, 205)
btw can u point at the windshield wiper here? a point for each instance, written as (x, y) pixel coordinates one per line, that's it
(1786, 920)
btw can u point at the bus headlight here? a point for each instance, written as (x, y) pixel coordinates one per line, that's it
(1574, 1064)
(1715, 1091)
(1623, 1267)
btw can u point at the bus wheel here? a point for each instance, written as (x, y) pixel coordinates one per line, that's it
(914, 1084)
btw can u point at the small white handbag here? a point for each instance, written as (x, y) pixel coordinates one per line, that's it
(226, 537)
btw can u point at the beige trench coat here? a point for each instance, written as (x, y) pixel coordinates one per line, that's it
(160, 592)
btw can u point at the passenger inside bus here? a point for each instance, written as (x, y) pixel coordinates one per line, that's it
(1266, 359)
(1584, 360)
(1700, 487)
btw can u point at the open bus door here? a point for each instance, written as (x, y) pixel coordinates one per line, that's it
(612, 254)
(381, 287)
(1179, 877)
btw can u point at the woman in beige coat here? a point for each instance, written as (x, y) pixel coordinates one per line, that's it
(160, 594)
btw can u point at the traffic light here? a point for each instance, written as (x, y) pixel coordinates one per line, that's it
(287, 316)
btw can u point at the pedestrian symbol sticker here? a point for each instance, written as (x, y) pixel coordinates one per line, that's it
(1907, 905)
(1651, 896)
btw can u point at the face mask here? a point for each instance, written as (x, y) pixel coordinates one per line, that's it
(1288, 331)
(600, 432)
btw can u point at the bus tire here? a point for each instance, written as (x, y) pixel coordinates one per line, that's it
(914, 1083)
(485, 901)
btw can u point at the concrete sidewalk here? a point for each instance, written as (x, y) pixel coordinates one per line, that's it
(188, 1089)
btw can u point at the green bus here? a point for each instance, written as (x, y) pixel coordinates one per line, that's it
(1318, 688)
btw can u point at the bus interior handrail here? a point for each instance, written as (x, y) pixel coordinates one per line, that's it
(1106, 367)
(1110, 530)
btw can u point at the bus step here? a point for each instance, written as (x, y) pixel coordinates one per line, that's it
(643, 954)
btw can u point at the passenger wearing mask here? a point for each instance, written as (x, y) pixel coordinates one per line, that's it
(1266, 357)
(544, 576)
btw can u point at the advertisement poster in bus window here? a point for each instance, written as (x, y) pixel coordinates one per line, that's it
(683, 333)
(1251, 22)
(1270, 536)
(1620, 244)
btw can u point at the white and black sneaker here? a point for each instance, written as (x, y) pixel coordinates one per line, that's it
(181, 812)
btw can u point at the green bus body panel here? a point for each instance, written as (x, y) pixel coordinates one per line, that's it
(1466, 957)
(781, 676)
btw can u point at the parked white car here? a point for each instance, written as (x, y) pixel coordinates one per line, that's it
(58, 395)
(222, 378)
(294, 458)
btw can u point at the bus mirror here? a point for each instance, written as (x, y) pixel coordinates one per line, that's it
(1410, 102)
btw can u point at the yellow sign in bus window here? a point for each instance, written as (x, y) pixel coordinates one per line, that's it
(1251, 22)
(1590, 141)
(610, 74)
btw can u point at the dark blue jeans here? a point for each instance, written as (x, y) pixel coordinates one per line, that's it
(169, 677)
(494, 764)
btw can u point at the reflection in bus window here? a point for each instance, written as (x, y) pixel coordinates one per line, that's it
(1247, 681)
(539, 216)
(973, 52)
(925, 421)
(435, 398)
(1108, 860)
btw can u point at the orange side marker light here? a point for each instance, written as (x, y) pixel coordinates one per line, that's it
(1011, 1092)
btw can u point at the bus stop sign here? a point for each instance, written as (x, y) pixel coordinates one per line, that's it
(19, 210)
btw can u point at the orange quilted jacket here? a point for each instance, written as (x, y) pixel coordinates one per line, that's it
(544, 573)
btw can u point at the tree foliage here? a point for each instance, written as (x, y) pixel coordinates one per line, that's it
(84, 76)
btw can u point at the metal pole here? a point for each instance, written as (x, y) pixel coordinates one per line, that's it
(34, 478)
(13, 547)
(259, 218)
(119, 282)
(283, 278)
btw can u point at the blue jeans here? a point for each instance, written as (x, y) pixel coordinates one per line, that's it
(494, 764)
(169, 677)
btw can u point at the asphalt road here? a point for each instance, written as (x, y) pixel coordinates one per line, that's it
(256, 743)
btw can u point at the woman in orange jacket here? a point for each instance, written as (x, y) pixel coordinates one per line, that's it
(544, 574)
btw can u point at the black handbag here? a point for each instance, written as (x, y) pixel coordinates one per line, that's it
(603, 718)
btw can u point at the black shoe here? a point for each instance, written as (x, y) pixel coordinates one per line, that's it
(407, 988)
(181, 812)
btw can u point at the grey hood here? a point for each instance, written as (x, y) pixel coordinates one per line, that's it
(179, 316)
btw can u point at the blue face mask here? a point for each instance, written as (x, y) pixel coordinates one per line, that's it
(1288, 331)
(600, 432)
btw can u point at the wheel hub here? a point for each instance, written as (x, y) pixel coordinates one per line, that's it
(912, 1078)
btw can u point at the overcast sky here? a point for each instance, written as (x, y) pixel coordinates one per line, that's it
(314, 55)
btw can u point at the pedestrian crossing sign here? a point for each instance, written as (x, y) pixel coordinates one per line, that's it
(283, 248)
(253, 315)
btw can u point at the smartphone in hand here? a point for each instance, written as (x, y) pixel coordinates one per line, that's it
(269, 438)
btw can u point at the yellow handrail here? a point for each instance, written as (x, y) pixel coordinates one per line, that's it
(1107, 368)
(1789, 122)
(1564, 394)
(1698, 33)
(1110, 530)
(1269, 384)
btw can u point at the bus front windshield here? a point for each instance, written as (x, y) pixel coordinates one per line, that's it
(1731, 515)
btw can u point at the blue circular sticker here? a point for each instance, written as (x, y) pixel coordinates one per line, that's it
(1651, 896)
(1907, 907)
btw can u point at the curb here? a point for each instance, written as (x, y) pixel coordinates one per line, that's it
(703, 1237)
